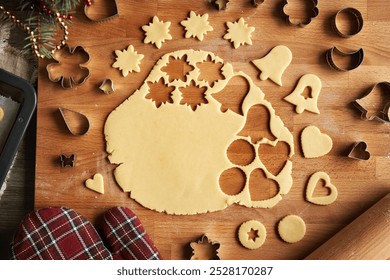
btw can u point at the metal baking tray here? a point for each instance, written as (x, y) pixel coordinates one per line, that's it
(17, 105)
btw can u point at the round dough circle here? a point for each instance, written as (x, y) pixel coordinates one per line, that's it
(1, 114)
(247, 227)
(292, 228)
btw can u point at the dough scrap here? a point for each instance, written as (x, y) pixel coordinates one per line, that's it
(170, 157)
(274, 64)
(96, 184)
(292, 228)
(315, 143)
(197, 26)
(239, 33)
(128, 60)
(157, 32)
(244, 237)
(302, 103)
(321, 200)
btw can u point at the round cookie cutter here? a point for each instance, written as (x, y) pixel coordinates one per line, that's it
(356, 26)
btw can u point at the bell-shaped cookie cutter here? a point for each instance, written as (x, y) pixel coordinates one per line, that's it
(384, 114)
(357, 58)
(257, 3)
(114, 14)
(69, 82)
(77, 123)
(107, 86)
(358, 24)
(314, 13)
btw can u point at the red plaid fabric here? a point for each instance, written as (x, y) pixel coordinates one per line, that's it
(127, 236)
(57, 233)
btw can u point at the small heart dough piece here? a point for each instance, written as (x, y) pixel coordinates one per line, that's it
(314, 143)
(96, 184)
(321, 200)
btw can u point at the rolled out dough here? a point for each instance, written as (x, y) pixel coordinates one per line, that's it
(170, 158)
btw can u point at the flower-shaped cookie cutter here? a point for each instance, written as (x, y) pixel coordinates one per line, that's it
(314, 12)
(200, 252)
(77, 78)
(110, 9)
(363, 104)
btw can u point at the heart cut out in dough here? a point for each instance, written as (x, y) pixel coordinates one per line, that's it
(96, 184)
(315, 143)
(321, 200)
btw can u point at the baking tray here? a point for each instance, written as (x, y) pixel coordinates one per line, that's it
(17, 102)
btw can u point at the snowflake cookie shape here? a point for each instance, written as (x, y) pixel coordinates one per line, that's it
(170, 138)
(197, 26)
(128, 60)
(157, 32)
(239, 33)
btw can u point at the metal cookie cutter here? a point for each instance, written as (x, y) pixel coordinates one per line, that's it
(107, 86)
(257, 3)
(109, 7)
(356, 56)
(205, 249)
(68, 82)
(359, 151)
(364, 104)
(356, 27)
(68, 160)
(77, 123)
(314, 12)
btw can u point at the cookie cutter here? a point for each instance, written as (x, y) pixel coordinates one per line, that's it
(69, 82)
(114, 13)
(77, 123)
(359, 151)
(68, 160)
(314, 13)
(384, 114)
(220, 4)
(257, 3)
(107, 86)
(358, 24)
(204, 240)
(357, 58)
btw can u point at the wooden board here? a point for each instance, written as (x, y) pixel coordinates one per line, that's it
(360, 183)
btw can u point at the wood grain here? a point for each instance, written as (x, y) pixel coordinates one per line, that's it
(360, 183)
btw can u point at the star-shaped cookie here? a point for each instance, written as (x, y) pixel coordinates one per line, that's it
(239, 33)
(197, 26)
(157, 32)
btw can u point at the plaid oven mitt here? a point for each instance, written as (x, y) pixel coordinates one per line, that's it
(59, 233)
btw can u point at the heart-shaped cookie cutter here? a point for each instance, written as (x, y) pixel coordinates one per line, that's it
(359, 151)
(384, 114)
(314, 13)
(113, 15)
(357, 58)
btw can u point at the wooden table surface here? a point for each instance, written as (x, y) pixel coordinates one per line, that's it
(360, 183)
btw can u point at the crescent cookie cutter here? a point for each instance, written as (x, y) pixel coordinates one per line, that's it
(68, 82)
(357, 58)
(111, 9)
(382, 114)
(356, 26)
(314, 12)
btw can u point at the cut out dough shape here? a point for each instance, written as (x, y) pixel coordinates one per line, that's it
(296, 98)
(321, 200)
(197, 26)
(162, 152)
(315, 143)
(292, 228)
(128, 60)
(239, 33)
(274, 64)
(246, 228)
(157, 32)
(96, 184)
